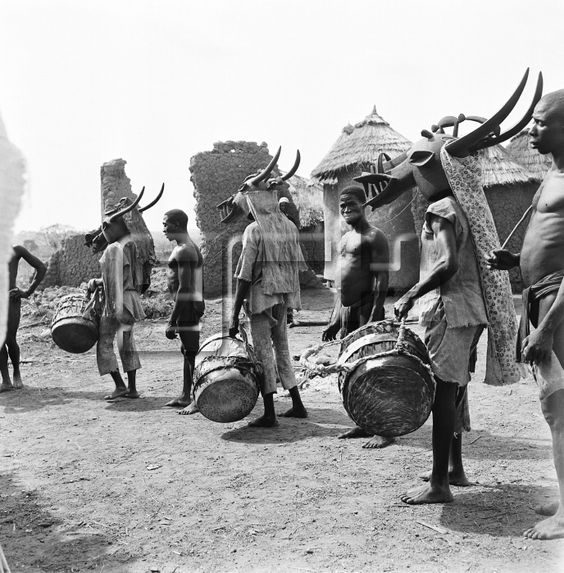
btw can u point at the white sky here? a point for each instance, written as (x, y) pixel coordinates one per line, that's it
(157, 81)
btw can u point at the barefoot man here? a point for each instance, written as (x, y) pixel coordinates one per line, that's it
(185, 285)
(121, 281)
(542, 268)
(362, 282)
(268, 282)
(10, 346)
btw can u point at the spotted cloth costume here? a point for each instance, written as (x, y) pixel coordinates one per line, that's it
(464, 178)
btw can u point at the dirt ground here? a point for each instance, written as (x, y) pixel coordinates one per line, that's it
(131, 486)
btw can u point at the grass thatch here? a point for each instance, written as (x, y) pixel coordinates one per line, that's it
(520, 151)
(308, 196)
(360, 144)
(498, 168)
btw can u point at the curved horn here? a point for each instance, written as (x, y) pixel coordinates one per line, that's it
(294, 168)
(128, 208)
(524, 120)
(266, 171)
(154, 201)
(463, 146)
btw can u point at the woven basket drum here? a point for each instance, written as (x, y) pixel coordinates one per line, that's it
(392, 393)
(226, 379)
(74, 327)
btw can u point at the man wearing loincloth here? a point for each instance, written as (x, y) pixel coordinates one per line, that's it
(184, 278)
(362, 281)
(10, 345)
(121, 281)
(542, 269)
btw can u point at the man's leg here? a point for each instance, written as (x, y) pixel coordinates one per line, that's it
(6, 382)
(261, 326)
(444, 412)
(129, 358)
(190, 344)
(14, 314)
(106, 357)
(284, 363)
(553, 409)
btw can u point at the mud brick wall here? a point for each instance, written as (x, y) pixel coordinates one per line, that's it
(72, 264)
(216, 175)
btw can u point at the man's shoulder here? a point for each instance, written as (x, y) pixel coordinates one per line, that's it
(186, 252)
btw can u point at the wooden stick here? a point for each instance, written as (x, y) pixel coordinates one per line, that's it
(516, 227)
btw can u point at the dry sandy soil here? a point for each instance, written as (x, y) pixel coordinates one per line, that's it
(131, 486)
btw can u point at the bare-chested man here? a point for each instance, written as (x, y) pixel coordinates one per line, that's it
(10, 345)
(362, 282)
(185, 285)
(542, 269)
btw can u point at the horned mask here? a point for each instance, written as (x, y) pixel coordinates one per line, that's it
(421, 165)
(261, 187)
(99, 238)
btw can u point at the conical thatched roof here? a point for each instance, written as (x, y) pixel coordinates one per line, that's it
(498, 168)
(308, 196)
(520, 151)
(359, 144)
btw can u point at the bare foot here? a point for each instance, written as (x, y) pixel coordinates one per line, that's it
(117, 393)
(427, 494)
(264, 422)
(132, 394)
(551, 528)
(18, 384)
(455, 478)
(378, 442)
(295, 412)
(179, 402)
(548, 508)
(4, 387)
(355, 433)
(192, 408)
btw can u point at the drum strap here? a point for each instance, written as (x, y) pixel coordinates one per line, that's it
(364, 341)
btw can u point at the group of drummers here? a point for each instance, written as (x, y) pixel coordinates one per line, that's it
(460, 293)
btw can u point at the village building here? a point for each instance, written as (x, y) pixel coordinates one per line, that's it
(356, 150)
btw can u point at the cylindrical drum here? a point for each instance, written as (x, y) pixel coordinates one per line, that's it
(391, 393)
(226, 379)
(74, 327)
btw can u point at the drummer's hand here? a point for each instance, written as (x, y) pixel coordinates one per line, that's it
(17, 294)
(330, 333)
(92, 285)
(403, 306)
(501, 259)
(170, 332)
(234, 327)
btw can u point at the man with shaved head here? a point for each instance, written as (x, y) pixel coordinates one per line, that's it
(542, 269)
(185, 284)
(362, 280)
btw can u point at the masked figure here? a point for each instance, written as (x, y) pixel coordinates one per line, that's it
(459, 293)
(121, 283)
(267, 283)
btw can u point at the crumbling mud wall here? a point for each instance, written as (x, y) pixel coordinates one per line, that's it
(74, 263)
(216, 175)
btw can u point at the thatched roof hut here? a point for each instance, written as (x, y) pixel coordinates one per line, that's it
(534, 162)
(308, 196)
(356, 149)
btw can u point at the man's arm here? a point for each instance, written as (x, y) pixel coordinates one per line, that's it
(186, 261)
(537, 347)
(380, 268)
(445, 267)
(40, 270)
(241, 291)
